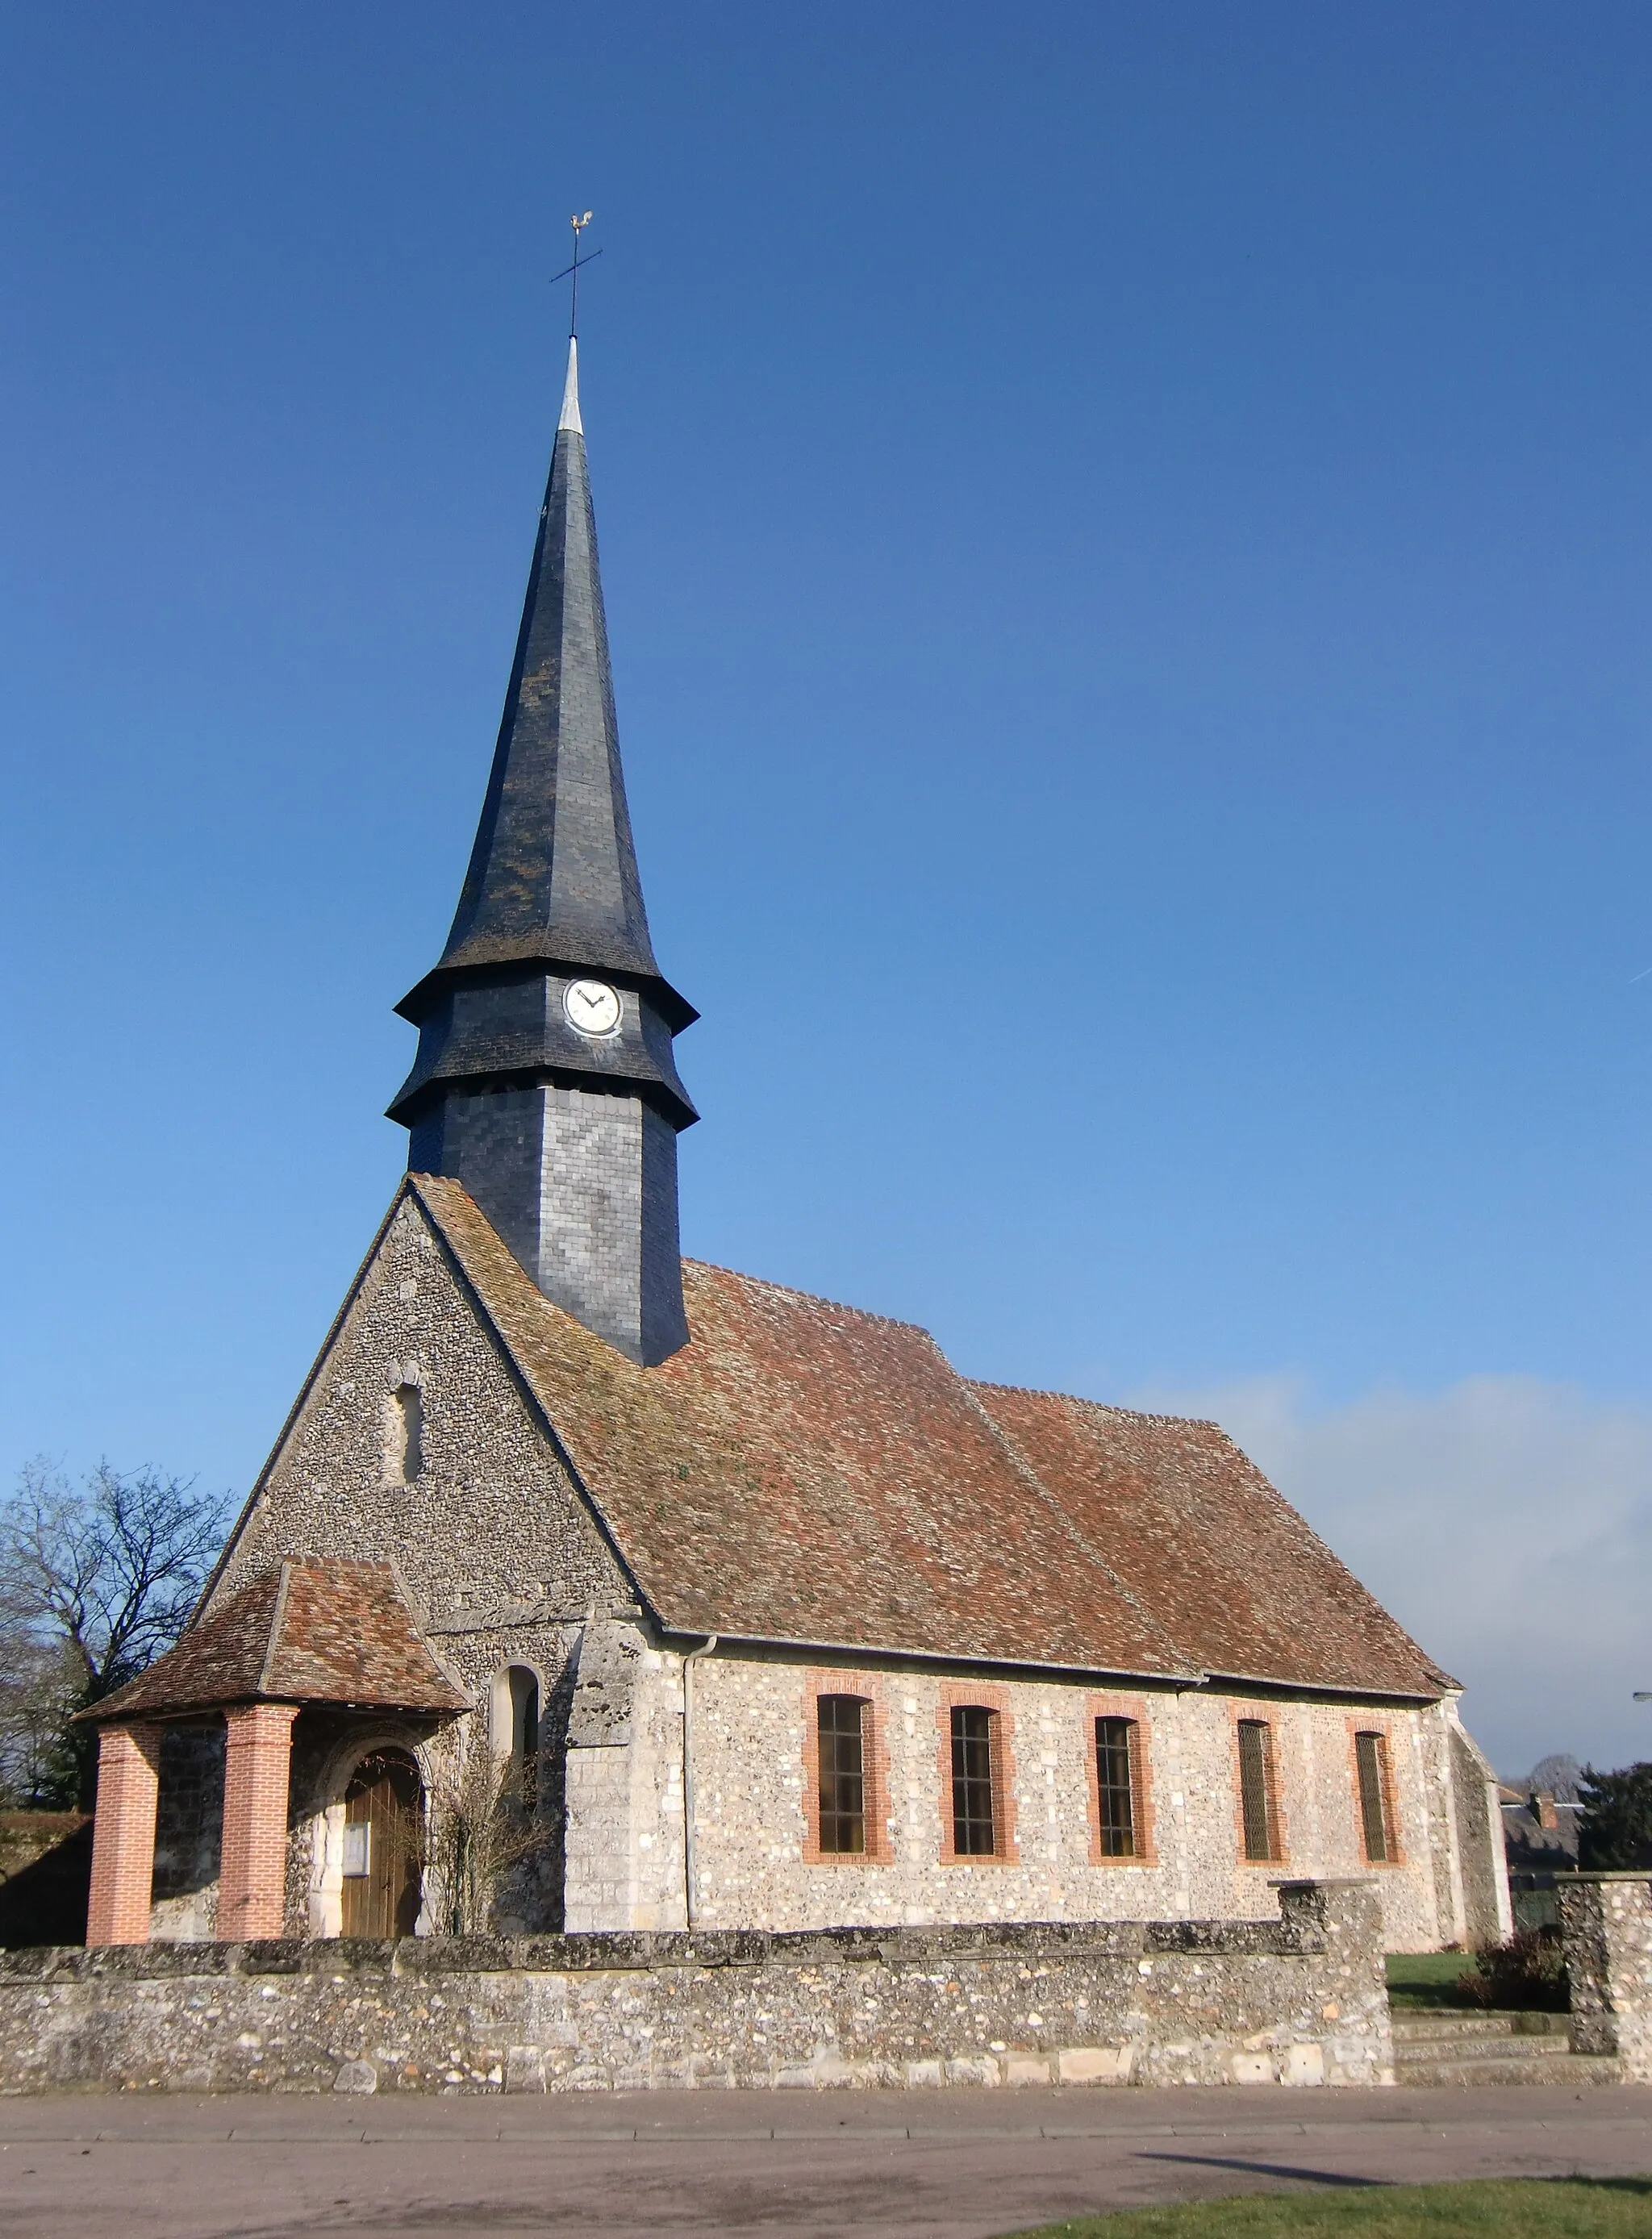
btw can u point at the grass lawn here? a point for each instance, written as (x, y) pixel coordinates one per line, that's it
(1427, 1978)
(1557, 2207)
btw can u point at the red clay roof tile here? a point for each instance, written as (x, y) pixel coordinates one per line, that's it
(803, 1472)
(305, 1632)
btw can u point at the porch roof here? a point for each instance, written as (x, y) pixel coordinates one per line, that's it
(304, 1632)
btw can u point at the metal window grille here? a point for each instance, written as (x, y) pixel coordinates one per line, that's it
(843, 1772)
(1115, 1785)
(1370, 1756)
(1256, 1789)
(975, 1833)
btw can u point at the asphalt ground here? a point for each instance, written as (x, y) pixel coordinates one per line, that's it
(899, 2165)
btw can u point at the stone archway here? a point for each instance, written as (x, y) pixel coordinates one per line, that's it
(383, 1845)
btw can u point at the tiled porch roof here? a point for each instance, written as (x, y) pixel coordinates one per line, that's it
(305, 1632)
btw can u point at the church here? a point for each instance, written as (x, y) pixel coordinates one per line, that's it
(591, 1588)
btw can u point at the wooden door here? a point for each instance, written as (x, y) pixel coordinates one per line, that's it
(383, 1845)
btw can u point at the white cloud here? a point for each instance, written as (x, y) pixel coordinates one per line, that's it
(1506, 1522)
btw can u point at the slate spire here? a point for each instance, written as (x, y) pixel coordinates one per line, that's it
(553, 873)
(551, 909)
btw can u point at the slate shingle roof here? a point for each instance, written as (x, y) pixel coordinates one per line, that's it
(306, 1632)
(803, 1472)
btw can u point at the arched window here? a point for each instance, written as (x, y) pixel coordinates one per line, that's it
(404, 1435)
(524, 1735)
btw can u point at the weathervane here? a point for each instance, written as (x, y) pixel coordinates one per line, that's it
(579, 225)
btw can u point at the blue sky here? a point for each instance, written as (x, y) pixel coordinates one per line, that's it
(1126, 536)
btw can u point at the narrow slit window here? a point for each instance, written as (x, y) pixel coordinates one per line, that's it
(974, 1831)
(1115, 1785)
(1371, 1757)
(1257, 1789)
(404, 1435)
(841, 1733)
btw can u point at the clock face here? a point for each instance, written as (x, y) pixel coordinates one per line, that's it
(591, 1007)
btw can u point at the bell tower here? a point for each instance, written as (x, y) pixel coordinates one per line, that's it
(545, 1080)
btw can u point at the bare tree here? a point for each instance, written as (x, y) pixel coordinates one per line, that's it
(96, 1581)
(487, 1825)
(40, 1688)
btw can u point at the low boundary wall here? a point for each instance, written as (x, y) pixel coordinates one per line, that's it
(1299, 2000)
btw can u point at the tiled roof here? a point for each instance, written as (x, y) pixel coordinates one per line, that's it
(803, 1472)
(306, 1632)
(1198, 1534)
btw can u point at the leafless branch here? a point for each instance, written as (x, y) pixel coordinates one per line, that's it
(97, 1579)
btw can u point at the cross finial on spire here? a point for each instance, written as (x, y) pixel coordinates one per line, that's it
(579, 225)
(579, 220)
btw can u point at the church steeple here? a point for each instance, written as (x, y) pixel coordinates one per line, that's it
(545, 1079)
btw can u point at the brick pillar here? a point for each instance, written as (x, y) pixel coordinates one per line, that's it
(123, 1835)
(252, 1877)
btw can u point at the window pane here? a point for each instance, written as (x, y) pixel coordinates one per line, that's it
(1370, 1755)
(1113, 1786)
(842, 1773)
(1254, 1789)
(974, 1834)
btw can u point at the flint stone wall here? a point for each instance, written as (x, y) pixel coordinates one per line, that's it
(1607, 1923)
(1298, 2000)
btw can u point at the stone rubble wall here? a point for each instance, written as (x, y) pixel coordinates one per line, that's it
(492, 1531)
(1606, 1922)
(751, 1714)
(1299, 1999)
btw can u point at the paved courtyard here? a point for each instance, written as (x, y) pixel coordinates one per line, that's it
(931, 2165)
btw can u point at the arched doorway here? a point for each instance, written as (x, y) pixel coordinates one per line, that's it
(383, 1845)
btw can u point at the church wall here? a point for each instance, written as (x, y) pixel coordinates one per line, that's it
(504, 1564)
(751, 1717)
(500, 1556)
(1488, 1916)
(490, 1534)
(625, 1785)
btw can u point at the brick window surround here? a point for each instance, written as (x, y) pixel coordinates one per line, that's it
(252, 1881)
(1132, 1707)
(1390, 1815)
(1278, 1852)
(129, 1759)
(968, 1695)
(867, 1690)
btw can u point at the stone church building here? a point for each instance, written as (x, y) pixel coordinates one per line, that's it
(588, 1587)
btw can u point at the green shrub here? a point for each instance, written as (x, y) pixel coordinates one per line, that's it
(1528, 1974)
